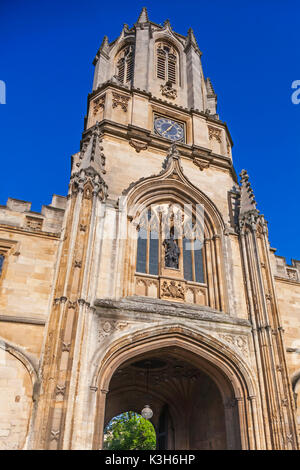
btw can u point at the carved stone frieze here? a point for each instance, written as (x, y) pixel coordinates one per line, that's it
(120, 100)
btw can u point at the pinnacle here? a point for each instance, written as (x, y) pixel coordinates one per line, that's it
(191, 40)
(104, 43)
(143, 18)
(248, 202)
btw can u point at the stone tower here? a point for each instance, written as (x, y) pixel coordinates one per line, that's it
(161, 268)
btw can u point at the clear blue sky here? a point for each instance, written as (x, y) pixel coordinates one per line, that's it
(250, 51)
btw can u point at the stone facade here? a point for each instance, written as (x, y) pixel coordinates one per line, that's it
(79, 322)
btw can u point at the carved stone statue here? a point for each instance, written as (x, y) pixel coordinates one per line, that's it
(172, 252)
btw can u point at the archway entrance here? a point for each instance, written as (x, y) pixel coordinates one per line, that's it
(193, 405)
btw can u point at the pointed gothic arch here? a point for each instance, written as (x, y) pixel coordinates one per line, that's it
(171, 186)
(229, 372)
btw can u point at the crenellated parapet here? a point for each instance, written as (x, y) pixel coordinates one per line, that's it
(18, 214)
(289, 272)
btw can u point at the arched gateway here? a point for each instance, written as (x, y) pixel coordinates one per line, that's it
(201, 393)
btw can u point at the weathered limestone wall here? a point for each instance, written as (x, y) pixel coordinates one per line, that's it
(288, 294)
(15, 402)
(29, 243)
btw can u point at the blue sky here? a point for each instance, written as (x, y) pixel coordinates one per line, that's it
(250, 51)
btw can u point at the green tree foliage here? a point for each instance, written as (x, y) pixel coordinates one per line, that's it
(129, 431)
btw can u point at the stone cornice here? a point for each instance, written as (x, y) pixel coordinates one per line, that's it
(164, 308)
(287, 281)
(157, 142)
(26, 231)
(138, 91)
(27, 320)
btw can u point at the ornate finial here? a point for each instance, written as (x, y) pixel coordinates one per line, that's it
(173, 151)
(173, 154)
(143, 18)
(167, 24)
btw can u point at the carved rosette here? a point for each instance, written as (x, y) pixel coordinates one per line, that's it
(108, 327)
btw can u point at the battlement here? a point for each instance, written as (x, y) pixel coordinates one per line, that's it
(287, 271)
(18, 214)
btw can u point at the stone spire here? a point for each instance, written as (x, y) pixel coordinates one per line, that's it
(143, 18)
(248, 203)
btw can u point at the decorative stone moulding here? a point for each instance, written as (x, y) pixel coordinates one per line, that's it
(214, 133)
(292, 274)
(120, 100)
(172, 289)
(98, 103)
(178, 291)
(138, 145)
(168, 91)
(201, 164)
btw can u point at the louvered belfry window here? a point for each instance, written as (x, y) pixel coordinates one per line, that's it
(125, 65)
(166, 65)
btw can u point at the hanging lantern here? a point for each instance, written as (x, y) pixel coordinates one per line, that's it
(146, 412)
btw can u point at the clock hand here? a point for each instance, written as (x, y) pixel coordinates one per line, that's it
(167, 130)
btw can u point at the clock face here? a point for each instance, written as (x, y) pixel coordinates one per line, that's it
(169, 129)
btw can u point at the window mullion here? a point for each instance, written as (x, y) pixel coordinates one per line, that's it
(193, 261)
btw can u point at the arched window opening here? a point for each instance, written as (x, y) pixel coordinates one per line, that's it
(125, 65)
(129, 431)
(169, 243)
(166, 63)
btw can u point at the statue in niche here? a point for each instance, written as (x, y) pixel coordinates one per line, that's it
(172, 252)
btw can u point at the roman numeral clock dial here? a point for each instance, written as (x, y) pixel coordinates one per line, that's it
(169, 129)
